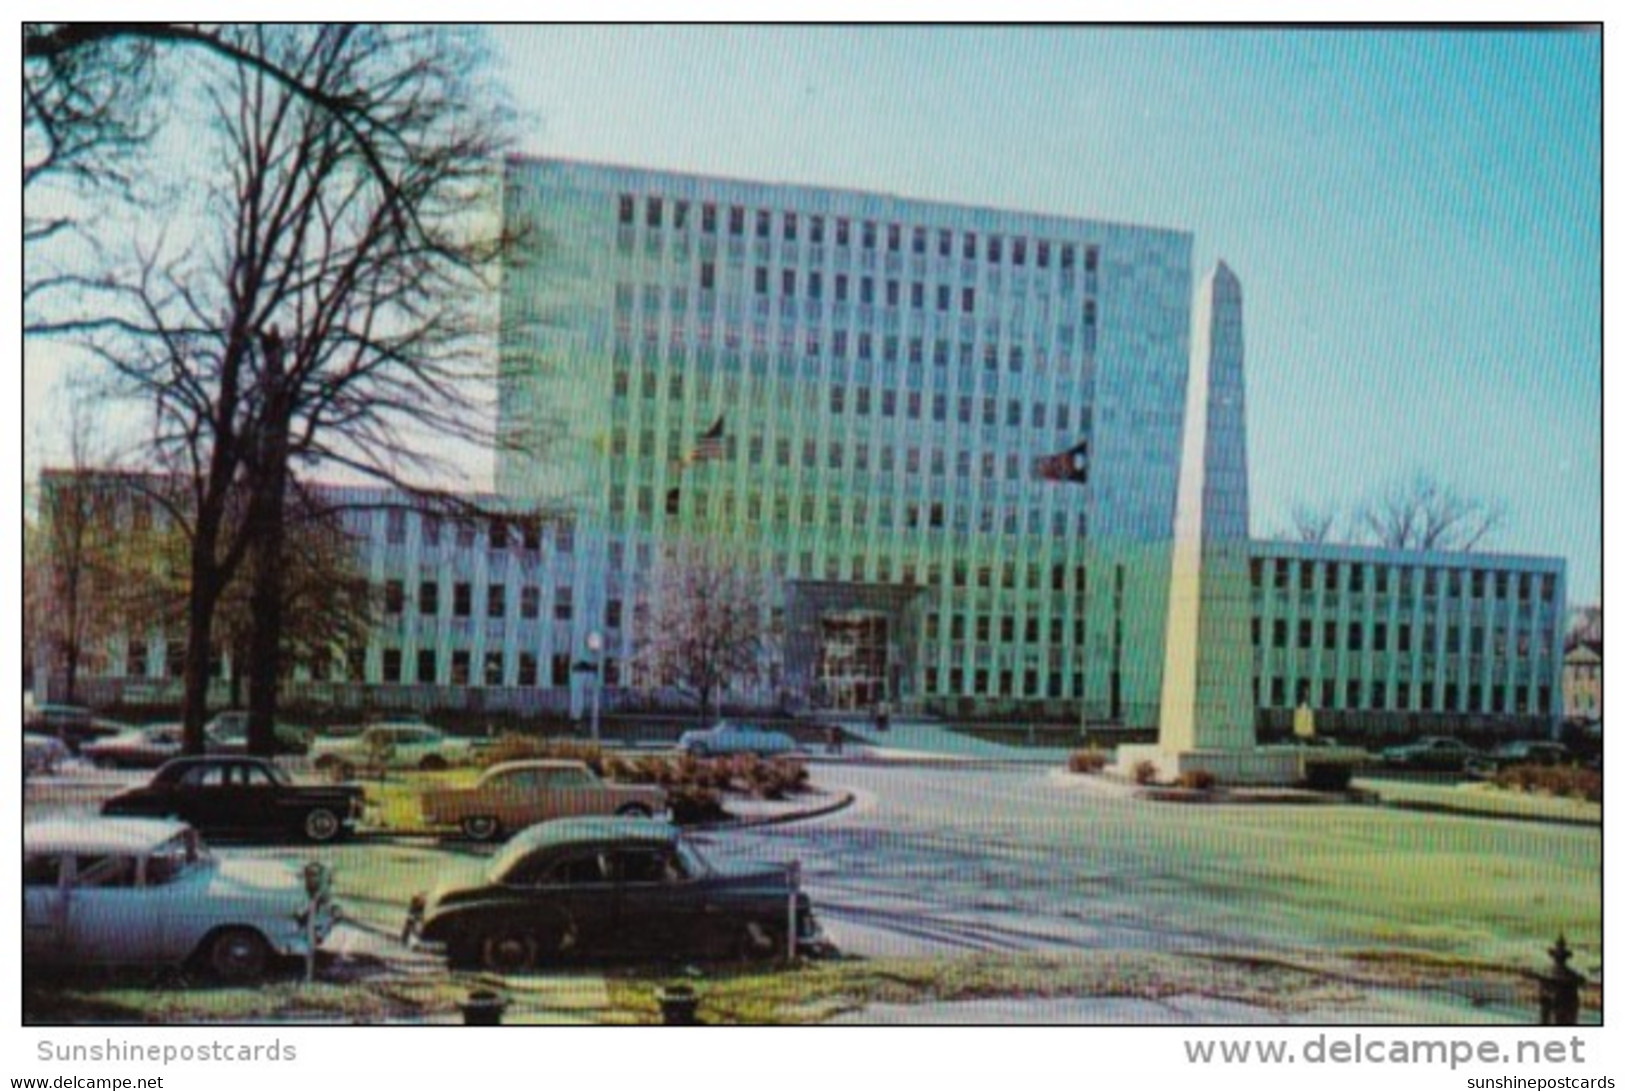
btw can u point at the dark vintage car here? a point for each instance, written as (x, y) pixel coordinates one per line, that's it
(137, 748)
(242, 797)
(1438, 753)
(597, 889)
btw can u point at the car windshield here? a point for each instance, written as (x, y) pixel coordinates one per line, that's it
(172, 859)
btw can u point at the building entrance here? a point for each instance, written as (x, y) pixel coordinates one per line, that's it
(852, 659)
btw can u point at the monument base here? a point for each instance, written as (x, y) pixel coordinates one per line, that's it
(1252, 767)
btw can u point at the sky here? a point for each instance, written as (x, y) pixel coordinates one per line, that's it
(1415, 217)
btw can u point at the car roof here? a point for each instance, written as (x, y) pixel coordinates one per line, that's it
(96, 834)
(574, 831)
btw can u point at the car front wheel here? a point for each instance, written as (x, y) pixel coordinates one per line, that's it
(481, 827)
(321, 825)
(238, 955)
(432, 763)
(508, 952)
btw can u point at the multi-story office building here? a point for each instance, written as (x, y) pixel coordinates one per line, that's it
(886, 373)
(948, 438)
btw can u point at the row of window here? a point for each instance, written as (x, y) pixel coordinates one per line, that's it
(787, 226)
(1359, 694)
(987, 683)
(492, 669)
(500, 532)
(885, 514)
(496, 601)
(1278, 572)
(1353, 638)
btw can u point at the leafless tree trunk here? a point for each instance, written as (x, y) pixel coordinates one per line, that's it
(1314, 524)
(381, 287)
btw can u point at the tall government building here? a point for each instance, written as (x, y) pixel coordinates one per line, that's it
(950, 439)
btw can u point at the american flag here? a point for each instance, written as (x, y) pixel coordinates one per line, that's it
(1070, 465)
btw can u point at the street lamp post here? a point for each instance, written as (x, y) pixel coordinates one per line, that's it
(595, 644)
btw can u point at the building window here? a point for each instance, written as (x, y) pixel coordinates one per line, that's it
(394, 597)
(426, 667)
(392, 664)
(628, 211)
(563, 604)
(561, 670)
(493, 668)
(527, 668)
(496, 601)
(395, 526)
(429, 598)
(654, 212)
(462, 600)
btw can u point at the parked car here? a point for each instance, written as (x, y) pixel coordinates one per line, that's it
(516, 794)
(227, 733)
(594, 889)
(73, 724)
(404, 745)
(42, 754)
(730, 737)
(137, 748)
(142, 891)
(1526, 752)
(241, 796)
(1439, 753)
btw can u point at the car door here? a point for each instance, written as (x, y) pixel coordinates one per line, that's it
(516, 798)
(571, 904)
(45, 908)
(663, 912)
(252, 800)
(572, 792)
(110, 919)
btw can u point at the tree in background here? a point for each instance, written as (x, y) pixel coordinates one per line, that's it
(705, 629)
(1418, 512)
(332, 310)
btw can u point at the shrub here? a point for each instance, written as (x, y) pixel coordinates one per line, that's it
(1201, 780)
(1145, 772)
(692, 805)
(1086, 761)
(1557, 780)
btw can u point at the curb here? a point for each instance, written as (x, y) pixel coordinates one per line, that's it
(1425, 807)
(845, 800)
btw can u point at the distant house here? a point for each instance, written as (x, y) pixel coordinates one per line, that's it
(1582, 681)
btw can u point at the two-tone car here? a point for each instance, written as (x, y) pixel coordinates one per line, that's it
(403, 745)
(245, 798)
(515, 794)
(101, 892)
(599, 889)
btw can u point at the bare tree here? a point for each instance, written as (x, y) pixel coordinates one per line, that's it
(1585, 626)
(1422, 513)
(705, 631)
(333, 320)
(1314, 524)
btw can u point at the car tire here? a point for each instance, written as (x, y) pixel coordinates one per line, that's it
(433, 763)
(321, 825)
(635, 810)
(508, 952)
(481, 827)
(237, 956)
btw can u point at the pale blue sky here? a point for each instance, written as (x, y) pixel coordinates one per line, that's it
(1415, 217)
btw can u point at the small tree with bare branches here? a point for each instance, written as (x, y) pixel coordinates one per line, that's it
(1422, 513)
(705, 630)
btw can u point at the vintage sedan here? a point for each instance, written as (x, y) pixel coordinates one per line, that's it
(404, 745)
(243, 797)
(75, 725)
(1521, 752)
(516, 794)
(227, 733)
(1439, 753)
(731, 737)
(141, 892)
(596, 889)
(137, 748)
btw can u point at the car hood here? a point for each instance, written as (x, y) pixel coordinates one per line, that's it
(252, 880)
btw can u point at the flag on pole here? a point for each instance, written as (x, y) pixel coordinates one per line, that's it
(709, 446)
(1071, 465)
